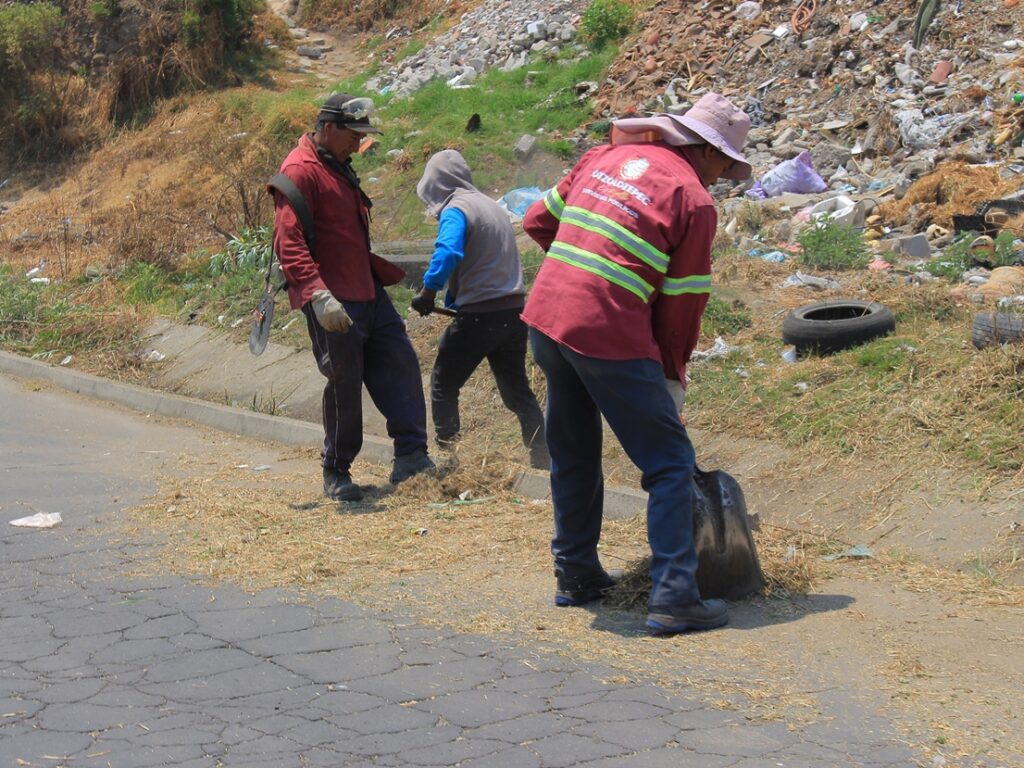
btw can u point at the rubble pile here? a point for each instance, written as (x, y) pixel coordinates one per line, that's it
(495, 34)
(840, 91)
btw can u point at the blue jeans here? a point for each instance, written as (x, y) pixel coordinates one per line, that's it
(632, 397)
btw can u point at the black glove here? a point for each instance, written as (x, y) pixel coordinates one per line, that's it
(423, 302)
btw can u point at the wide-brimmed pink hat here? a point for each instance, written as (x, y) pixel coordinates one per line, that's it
(712, 120)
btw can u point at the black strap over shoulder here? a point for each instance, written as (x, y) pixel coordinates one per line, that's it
(287, 187)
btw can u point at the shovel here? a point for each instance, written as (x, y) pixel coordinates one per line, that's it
(264, 312)
(727, 562)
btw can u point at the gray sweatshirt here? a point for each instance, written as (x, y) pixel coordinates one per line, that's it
(490, 275)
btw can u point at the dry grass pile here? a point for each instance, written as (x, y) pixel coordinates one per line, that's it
(955, 188)
(264, 528)
(790, 561)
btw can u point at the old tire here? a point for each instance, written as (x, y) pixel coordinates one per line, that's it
(831, 326)
(991, 328)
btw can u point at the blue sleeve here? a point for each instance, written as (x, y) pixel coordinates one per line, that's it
(449, 248)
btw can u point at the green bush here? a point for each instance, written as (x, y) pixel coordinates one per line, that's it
(235, 18)
(250, 249)
(104, 10)
(26, 38)
(832, 246)
(957, 259)
(192, 28)
(605, 21)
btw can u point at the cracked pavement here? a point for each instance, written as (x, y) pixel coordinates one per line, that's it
(100, 667)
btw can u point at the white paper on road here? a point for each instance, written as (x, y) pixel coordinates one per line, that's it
(38, 520)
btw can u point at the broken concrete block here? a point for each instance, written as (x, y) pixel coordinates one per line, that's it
(525, 146)
(915, 246)
(787, 135)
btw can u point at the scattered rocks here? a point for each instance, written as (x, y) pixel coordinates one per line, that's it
(524, 147)
(495, 34)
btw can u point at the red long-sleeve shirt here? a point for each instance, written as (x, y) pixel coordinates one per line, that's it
(342, 262)
(628, 236)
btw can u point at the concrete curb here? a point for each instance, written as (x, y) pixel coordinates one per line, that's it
(619, 502)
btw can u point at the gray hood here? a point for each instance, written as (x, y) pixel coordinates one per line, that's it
(445, 174)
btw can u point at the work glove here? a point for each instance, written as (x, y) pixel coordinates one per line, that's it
(423, 302)
(329, 312)
(678, 393)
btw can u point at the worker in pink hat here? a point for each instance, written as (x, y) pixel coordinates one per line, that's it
(614, 315)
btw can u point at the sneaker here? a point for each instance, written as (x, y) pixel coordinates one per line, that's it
(574, 592)
(338, 485)
(404, 467)
(671, 620)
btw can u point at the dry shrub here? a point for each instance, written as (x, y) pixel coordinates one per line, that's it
(955, 188)
(159, 64)
(364, 14)
(403, 161)
(146, 231)
(59, 115)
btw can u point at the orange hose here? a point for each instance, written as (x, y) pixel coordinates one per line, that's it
(801, 19)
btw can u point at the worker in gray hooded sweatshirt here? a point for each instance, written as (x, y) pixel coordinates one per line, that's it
(476, 255)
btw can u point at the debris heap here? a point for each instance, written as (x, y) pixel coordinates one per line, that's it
(495, 34)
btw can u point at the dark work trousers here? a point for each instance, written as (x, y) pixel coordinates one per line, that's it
(500, 338)
(632, 397)
(376, 351)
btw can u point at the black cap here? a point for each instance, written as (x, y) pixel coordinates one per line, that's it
(348, 112)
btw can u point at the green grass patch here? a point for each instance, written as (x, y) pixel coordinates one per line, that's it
(924, 392)
(145, 283)
(724, 318)
(832, 246)
(39, 319)
(539, 99)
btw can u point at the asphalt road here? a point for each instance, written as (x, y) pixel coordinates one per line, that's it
(99, 668)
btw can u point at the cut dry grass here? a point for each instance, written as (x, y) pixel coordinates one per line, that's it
(790, 561)
(955, 188)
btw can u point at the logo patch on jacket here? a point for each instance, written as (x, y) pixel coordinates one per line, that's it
(634, 169)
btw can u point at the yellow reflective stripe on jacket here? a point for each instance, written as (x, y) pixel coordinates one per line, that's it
(618, 234)
(554, 202)
(675, 286)
(602, 267)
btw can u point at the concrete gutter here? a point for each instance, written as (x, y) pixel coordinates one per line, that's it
(619, 502)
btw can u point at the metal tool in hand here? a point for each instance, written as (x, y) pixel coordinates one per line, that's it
(264, 312)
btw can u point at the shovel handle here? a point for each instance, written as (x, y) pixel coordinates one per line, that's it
(444, 311)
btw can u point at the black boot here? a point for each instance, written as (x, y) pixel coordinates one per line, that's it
(572, 592)
(338, 485)
(404, 467)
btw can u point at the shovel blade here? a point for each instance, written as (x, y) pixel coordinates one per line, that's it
(727, 562)
(261, 318)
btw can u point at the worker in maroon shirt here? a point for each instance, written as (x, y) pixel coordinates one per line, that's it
(614, 315)
(358, 337)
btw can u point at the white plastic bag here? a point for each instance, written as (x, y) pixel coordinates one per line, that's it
(39, 520)
(796, 175)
